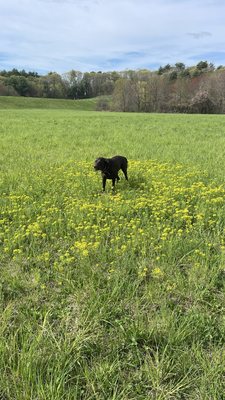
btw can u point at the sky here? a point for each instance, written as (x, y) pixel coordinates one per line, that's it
(108, 35)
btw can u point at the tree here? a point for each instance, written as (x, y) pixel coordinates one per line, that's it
(85, 89)
(164, 69)
(173, 75)
(202, 104)
(125, 96)
(153, 93)
(6, 90)
(214, 84)
(72, 80)
(180, 96)
(180, 66)
(184, 73)
(20, 84)
(52, 86)
(202, 65)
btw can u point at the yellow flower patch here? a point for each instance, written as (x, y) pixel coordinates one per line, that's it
(64, 219)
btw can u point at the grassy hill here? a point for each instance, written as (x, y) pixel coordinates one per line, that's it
(11, 102)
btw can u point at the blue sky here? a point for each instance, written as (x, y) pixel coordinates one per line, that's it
(106, 35)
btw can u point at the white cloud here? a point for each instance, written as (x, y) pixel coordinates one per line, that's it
(88, 35)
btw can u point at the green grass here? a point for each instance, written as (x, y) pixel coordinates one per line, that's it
(54, 136)
(10, 102)
(116, 296)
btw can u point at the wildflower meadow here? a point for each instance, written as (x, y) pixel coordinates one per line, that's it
(117, 295)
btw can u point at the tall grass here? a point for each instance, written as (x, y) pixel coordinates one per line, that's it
(115, 296)
(43, 137)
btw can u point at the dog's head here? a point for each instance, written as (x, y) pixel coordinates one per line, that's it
(101, 164)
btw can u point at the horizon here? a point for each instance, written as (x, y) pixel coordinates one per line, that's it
(99, 71)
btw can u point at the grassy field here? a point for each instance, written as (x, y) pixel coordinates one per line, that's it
(10, 102)
(117, 295)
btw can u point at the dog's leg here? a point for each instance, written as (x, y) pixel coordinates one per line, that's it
(113, 183)
(117, 178)
(124, 169)
(103, 183)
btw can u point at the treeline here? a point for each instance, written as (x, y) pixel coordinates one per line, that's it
(172, 88)
(71, 85)
(199, 89)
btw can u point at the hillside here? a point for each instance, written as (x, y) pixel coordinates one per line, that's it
(14, 102)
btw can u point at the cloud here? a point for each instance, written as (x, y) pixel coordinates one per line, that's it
(199, 35)
(60, 35)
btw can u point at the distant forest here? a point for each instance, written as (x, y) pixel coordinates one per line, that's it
(172, 88)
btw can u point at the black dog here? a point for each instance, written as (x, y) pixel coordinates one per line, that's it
(110, 167)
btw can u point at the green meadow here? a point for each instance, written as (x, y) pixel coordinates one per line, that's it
(10, 102)
(117, 295)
